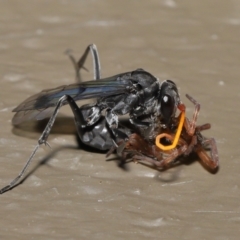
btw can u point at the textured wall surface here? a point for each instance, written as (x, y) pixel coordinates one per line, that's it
(77, 194)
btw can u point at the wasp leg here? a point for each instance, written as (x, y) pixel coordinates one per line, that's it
(112, 119)
(95, 130)
(212, 161)
(91, 126)
(86, 115)
(191, 125)
(80, 64)
(42, 140)
(80, 123)
(139, 123)
(119, 139)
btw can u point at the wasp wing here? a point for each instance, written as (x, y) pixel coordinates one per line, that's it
(27, 115)
(41, 105)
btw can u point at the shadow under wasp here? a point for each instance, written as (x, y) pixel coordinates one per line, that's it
(151, 106)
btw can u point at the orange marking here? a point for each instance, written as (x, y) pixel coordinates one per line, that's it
(177, 136)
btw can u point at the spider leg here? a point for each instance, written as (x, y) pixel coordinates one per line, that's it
(191, 145)
(212, 161)
(127, 145)
(203, 127)
(191, 125)
(162, 162)
(159, 158)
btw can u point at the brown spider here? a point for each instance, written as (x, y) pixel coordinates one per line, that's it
(190, 140)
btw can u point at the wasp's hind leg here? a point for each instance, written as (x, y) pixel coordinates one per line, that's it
(42, 140)
(80, 121)
(78, 65)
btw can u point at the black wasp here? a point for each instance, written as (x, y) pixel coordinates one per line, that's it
(137, 94)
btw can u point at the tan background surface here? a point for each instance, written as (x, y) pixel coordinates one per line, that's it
(79, 195)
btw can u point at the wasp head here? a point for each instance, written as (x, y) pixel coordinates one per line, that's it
(169, 101)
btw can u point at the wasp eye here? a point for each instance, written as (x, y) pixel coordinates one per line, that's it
(167, 107)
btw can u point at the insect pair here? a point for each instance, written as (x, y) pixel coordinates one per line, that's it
(150, 105)
(185, 138)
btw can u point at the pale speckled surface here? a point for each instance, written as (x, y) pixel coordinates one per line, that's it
(79, 195)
